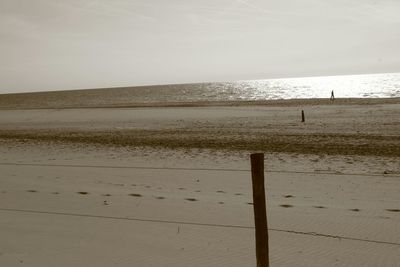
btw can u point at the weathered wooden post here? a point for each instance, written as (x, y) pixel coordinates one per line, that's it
(303, 119)
(260, 212)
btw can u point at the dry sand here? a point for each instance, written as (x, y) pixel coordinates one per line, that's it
(171, 186)
(191, 208)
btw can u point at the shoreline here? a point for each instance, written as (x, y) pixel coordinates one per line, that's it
(9, 102)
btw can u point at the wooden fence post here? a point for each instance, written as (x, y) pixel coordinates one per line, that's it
(260, 213)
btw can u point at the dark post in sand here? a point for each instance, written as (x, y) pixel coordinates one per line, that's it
(303, 119)
(260, 212)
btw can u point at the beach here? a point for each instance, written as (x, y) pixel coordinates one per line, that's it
(190, 133)
(352, 127)
(169, 184)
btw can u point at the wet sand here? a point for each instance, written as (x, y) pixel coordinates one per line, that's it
(330, 128)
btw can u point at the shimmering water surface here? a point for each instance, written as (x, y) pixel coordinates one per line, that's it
(376, 85)
(353, 86)
(349, 86)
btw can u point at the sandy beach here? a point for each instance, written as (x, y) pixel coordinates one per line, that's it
(139, 133)
(170, 185)
(350, 127)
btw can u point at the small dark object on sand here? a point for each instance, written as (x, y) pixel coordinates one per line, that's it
(286, 206)
(393, 210)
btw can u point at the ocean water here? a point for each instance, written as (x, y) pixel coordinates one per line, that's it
(351, 86)
(347, 86)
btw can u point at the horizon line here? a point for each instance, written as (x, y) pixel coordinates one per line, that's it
(197, 82)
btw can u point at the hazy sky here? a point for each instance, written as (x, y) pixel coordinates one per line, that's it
(59, 44)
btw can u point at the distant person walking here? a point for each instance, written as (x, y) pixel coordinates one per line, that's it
(332, 96)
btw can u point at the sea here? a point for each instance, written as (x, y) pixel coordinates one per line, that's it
(385, 85)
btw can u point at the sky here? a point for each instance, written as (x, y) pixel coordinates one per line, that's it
(50, 45)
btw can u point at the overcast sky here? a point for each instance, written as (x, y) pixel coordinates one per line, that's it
(58, 44)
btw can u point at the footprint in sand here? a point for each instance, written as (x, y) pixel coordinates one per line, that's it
(160, 197)
(135, 195)
(182, 188)
(106, 195)
(83, 193)
(221, 202)
(286, 206)
(356, 210)
(197, 191)
(220, 191)
(249, 203)
(238, 194)
(190, 199)
(55, 193)
(319, 207)
(31, 191)
(393, 210)
(288, 196)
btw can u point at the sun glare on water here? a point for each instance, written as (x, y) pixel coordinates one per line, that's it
(353, 86)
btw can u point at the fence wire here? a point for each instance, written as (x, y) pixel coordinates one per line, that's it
(192, 169)
(198, 224)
